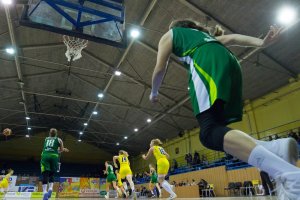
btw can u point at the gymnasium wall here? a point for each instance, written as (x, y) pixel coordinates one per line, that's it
(31, 148)
(277, 112)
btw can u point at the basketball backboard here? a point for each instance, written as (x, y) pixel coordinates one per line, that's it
(101, 21)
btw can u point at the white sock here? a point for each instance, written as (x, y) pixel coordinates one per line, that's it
(125, 186)
(152, 192)
(50, 186)
(265, 160)
(167, 187)
(131, 185)
(107, 193)
(44, 188)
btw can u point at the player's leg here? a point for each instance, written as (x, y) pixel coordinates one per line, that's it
(54, 160)
(107, 189)
(150, 187)
(159, 190)
(118, 190)
(215, 135)
(45, 169)
(162, 170)
(129, 179)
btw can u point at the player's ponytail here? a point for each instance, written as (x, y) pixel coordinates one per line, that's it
(156, 142)
(53, 132)
(188, 23)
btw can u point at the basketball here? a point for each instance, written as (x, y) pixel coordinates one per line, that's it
(7, 132)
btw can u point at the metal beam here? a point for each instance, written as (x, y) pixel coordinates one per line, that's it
(65, 116)
(37, 75)
(17, 61)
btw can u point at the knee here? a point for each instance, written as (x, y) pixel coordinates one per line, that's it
(212, 136)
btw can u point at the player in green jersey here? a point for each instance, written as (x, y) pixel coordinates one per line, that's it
(215, 82)
(153, 181)
(110, 179)
(53, 145)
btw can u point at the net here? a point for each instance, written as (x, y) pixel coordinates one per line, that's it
(74, 47)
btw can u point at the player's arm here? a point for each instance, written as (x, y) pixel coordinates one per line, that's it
(168, 156)
(148, 174)
(115, 158)
(150, 152)
(248, 41)
(61, 147)
(163, 54)
(10, 173)
(105, 171)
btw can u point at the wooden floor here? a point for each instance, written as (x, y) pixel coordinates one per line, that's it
(216, 198)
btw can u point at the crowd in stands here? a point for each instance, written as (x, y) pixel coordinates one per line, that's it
(196, 160)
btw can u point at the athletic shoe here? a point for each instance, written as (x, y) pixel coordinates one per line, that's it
(288, 186)
(45, 197)
(49, 194)
(153, 196)
(172, 197)
(106, 196)
(288, 150)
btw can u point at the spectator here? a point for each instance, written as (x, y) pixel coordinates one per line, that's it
(293, 135)
(193, 182)
(196, 158)
(267, 184)
(276, 137)
(175, 164)
(270, 138)
(187, 159)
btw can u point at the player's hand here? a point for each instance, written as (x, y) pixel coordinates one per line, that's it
(272, 35)
(66, 150)
(144, 156)
(153, 97)
(116, 166)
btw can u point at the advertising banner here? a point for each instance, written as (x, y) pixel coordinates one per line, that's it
(40, 195)
(89, 187)
(12, 183)
(102, 187)
(69, 187)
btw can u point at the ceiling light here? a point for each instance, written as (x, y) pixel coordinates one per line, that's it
(7, 2)
(286, 15)
(149, 120)
(118, 73)
(28, 118)
(29, 128)
(100, 95)
(10, 50)
(125, 137)
(80, 133)
(118, 144)
(27, 136)
(85, 124)
(136, 130)
(134, 33)
(95, 113)
(79, 140)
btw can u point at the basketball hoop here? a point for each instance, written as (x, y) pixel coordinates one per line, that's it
(74, 47)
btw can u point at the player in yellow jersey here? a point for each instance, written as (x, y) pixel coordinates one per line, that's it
(120, 183)
(5, 181)
(125, 170)
(163, 164)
